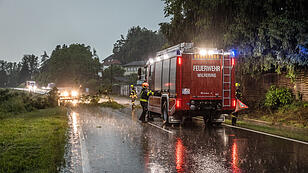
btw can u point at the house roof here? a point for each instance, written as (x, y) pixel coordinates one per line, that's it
(110, 60)
(135, 63)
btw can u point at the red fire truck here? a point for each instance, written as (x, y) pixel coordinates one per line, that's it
(190, 81)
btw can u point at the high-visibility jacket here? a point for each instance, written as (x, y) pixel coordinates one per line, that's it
(145, 94)
(133, 94)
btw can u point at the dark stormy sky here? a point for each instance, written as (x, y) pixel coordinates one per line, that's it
(32, 26)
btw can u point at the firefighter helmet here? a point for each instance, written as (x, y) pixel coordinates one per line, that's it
(237, 84)
(145, 84)
(132, 86)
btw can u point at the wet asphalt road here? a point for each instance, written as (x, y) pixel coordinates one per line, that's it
(106, 140)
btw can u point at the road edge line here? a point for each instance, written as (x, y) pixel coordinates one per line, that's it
(160, 128)
(83, 149)
(268, 134)
(263, 133)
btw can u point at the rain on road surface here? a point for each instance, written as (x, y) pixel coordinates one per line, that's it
(114, 141)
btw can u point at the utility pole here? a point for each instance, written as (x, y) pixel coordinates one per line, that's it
(111, 78)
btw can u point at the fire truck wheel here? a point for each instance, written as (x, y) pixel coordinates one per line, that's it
(218, 124)
(207, 120)
(165, 114)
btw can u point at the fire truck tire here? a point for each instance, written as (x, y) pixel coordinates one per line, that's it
(165, 114)
(188, 119)
(207, 120)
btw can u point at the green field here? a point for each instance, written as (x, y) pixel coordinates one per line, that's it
(33, 141)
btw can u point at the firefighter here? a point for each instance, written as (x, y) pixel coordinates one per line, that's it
(238, 95)
(133, 95)
(144, 97)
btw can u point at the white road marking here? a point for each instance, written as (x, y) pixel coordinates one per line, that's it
(160, 128)
(84, 153)
(263, 133)
(83, 148)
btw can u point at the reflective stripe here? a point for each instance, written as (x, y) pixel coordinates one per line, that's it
(143, 100)
(150, 92)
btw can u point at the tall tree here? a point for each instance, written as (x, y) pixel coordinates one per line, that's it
(3, 74)
(29, 67)
(139, 44)
(72, 65)
(270, 35)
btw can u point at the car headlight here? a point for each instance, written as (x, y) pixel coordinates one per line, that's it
(74, 93)
(65, 94)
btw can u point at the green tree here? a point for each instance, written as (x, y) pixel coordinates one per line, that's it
(3, 74)
(29, 67)
(111, 74)
(72, 65)
(13, 71)
(139, 44)
(269, 35)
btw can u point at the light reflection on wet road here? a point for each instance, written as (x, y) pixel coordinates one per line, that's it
(117, 142)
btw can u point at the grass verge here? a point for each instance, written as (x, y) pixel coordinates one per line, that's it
(33, 141)
(301, 135)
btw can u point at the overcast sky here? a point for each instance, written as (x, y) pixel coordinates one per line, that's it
(32, 26)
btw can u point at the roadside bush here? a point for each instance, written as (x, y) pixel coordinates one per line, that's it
(112, 104)
(94, 99)
(12, 101)
(278, 97)
(85, 98)
(13, 104)
(52, 97)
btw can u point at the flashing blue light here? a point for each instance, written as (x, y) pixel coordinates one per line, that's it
(233, 53)
(303, 49)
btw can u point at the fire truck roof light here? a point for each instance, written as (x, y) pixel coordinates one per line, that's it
(151, 60)
(233, 52)
(202, 52)
(211, 52)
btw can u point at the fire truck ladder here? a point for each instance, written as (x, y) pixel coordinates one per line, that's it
(226, 81)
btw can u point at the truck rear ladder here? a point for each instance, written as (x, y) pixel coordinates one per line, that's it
(226, 81)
